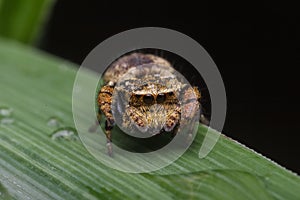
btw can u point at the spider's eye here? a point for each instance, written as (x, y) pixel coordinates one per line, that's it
(138, 96)
(171, 93)
(160, 98)
(148, 99)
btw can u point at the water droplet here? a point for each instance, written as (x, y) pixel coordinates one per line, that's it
(5, 111)
(54, 122)
(7, 121)
(5, 115)
(67, 133)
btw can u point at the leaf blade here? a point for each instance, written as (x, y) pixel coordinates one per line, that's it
(38, 86)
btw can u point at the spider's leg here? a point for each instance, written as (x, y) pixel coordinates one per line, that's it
(173, 119)
(94, 127)
(108, 128)
(136, 117)
(105, 100)
(104, 103)
(203, 119)
(190, 108)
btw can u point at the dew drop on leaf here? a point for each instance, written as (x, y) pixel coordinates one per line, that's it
(66, 133)
(5, 111)
(6, 121)
(5, 115)
(54, 122)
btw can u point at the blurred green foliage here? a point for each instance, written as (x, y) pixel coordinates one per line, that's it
(22, 20)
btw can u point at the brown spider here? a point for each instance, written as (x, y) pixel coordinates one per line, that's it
(143, 93)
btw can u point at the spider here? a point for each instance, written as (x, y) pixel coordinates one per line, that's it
(143, 93)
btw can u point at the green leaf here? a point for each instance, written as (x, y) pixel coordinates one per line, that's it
(3, 193)
(216, 184)
(36, 87)
(22, 20)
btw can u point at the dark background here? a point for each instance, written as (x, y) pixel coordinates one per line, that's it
(256, 48)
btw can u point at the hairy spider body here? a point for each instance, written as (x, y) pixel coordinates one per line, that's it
(143, 94)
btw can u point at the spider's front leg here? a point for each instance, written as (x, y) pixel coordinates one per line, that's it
(190, 107)
(104, 103)
(173, 119)
(136, 118)
(202, 119)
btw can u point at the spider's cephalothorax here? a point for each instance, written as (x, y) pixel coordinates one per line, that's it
(143, 94)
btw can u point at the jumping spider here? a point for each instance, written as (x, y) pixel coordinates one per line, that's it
(143, 93)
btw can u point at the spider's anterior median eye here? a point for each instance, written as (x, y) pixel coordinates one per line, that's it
(160, 98)
(138, 96)
(148, 99)
(171, 93)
